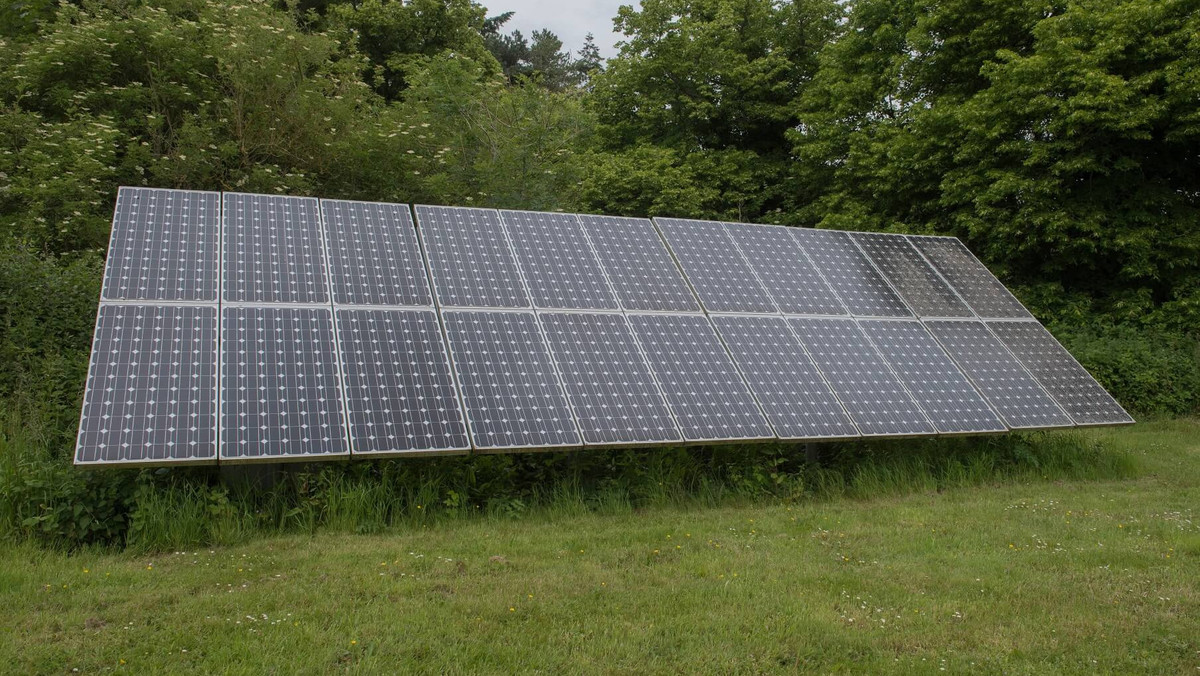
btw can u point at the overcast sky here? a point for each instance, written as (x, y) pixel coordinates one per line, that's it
(570, 20)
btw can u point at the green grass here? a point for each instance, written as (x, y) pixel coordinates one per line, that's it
(900, 574)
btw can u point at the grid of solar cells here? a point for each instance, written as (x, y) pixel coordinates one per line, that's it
(164, 246)
(911, 275)
(781, 266)
(945, 395)
(869, 390)
(400, 395)
(719, 274)
(509, 384)
(850, 274)
(280, 394)
(612, 392)
(706, 393)
(151, 392)
(1054, 367)
(469, 256)
(272, 250)
(1012, 392)
(374, 258)
(557, 261)
(969, 277)
(639, 266)
(796, 399)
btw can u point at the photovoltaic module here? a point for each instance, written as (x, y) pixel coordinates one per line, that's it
(263, 328)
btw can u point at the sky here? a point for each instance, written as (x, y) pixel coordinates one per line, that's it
(570, 20)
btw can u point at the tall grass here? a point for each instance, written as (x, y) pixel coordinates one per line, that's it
(171, 509)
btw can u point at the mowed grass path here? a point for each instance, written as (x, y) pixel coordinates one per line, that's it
(1045, 577)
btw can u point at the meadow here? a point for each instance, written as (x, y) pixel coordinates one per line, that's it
(1087, 565)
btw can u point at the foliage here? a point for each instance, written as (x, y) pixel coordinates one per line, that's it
(1152, 371)
(712, 84)
(1059, 141)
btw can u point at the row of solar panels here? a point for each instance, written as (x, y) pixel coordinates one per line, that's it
(270, 328)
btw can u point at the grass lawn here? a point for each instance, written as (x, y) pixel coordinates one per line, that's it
(1043, 577)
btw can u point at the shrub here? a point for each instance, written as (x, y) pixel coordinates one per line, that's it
(1151, 371)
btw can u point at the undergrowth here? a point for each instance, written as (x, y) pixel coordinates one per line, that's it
(47, 501)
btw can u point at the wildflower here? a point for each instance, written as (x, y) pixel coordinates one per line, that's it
(353, 642)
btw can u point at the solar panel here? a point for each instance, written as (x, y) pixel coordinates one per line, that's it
(862, 381)
(850, 274)
(557, 261)
(400, 395)
(969, 277)
(717, 271)
(280, 397)
(164, 246)
(469, 256)
(795, 397)
(151, 392)
(272, 250)
(615, 398)
(706, 393)
(374, 258)
(1012, 392)
(781, 266)
(932, 379)
(1064, 378)
(924, 291)
(509, 384)
(638, 264)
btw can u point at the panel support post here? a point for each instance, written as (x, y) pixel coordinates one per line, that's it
(810, 453)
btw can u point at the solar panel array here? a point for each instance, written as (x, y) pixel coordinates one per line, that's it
(256, 328)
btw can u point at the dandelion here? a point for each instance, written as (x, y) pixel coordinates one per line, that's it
(511, 609)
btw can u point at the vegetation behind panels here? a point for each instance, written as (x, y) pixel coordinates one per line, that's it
(1061, 141)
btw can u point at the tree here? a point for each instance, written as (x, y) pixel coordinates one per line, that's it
(589, 61)
(1061, 142)
(713, 82)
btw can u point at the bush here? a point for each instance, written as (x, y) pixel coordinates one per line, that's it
(1150, 371)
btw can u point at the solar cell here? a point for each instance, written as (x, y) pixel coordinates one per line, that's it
(164, 246)
(615, 398)
(151, 392)
(1057, 371)
(932, 379)
(400, 395)
(509, 385)
(280, 396)
(862, 381)
(272, 250)
(469, 256)
(717, 271)
(781, 266)
(557, 261)
(703, 387)
(374, 258)
(924, 291)
(638, 264)
(969, 277)
(1012, 392)
(797, 400)
(850, 274)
